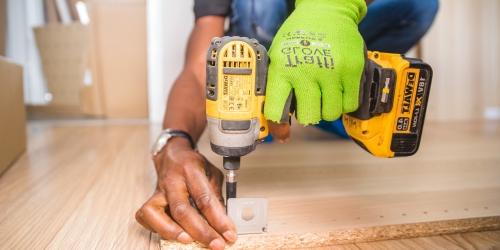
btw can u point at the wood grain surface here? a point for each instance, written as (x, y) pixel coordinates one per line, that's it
(324, 191)
(80, 183)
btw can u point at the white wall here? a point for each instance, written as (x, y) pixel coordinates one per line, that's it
(169, 25)
(22, 16)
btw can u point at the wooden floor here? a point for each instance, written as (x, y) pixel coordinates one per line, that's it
(80, 183)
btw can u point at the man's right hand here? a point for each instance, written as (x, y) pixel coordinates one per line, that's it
(184, 173)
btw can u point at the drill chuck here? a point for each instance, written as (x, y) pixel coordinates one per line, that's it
(230, 184)
(231, 164)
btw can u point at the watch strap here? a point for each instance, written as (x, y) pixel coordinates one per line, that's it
(168, 134)
(180, 133)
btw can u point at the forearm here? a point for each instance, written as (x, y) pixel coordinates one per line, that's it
(186, 102)
(186, 106)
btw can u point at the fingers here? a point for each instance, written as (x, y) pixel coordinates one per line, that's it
(351, 79)
(208, 203)
(189, 219)
(153, 217)
(308, 97)
(216, 181)
(139, 215)
(279, 128)
(280, 131)
(331, 98)
(351, 83)
(277, 93)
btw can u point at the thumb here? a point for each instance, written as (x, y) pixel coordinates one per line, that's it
(280, 131)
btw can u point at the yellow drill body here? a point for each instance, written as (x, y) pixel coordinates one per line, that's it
(236, 87)
(394, 98)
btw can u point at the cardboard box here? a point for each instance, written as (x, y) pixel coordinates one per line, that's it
(113, 47)
(12, 113)
(67, 54)
(64, 54)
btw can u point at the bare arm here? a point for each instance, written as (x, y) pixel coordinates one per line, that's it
(186, 103)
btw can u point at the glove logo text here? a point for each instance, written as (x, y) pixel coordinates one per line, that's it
(307, 48)
(299, 55)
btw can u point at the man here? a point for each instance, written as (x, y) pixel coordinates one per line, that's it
(317, 53)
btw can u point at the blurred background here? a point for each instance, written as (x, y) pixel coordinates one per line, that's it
(118, 58)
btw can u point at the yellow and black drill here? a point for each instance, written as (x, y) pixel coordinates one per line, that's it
(393, 100)
(236, 86)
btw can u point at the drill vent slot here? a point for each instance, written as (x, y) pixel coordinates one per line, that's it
(237, 60)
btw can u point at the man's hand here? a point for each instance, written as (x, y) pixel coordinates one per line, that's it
(318, 55)
(184, 173)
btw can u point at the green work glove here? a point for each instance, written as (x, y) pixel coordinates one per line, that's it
(318, 54)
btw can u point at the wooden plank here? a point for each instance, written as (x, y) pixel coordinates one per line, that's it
(472, 240)
(154, 243)
(325, 191)
(356, 235)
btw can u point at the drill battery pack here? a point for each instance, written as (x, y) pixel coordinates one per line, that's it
(393, 101)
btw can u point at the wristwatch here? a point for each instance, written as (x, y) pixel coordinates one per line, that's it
(165, 136)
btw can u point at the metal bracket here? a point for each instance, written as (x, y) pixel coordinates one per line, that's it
(248, 214)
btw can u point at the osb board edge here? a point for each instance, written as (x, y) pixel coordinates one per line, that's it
(354, 235)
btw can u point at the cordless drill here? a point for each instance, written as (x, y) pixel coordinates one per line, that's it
(389, 122)
(236, 86)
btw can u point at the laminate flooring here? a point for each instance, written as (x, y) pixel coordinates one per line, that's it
(80, 182)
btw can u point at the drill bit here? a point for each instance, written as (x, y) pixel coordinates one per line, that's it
(231, 164)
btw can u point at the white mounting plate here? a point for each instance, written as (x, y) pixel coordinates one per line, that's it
(248, 214)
